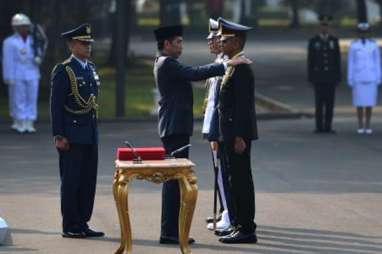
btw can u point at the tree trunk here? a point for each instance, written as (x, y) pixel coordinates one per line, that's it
(169, 12)
(215, 8)
(379, 2)
(121, 48)
(295, 6)
(361, 11)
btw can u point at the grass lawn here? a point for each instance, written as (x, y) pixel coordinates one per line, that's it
(138, 97)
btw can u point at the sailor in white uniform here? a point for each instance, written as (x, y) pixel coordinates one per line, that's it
(210, 109)
(364, 76)
(21, 74)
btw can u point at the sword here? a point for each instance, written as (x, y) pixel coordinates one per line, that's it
(216, 169)
(181, 149)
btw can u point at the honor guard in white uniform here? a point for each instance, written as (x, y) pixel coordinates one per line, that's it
(21, 74)
(364, 76)
(210, 128)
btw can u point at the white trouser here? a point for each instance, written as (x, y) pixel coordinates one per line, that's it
(11, 100)
(25, 94)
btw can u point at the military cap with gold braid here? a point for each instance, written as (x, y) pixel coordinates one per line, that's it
(213, 28)
(81, 33)
(228, 29)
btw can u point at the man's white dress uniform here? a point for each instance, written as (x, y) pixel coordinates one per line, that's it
(364, 71)
(21, 74)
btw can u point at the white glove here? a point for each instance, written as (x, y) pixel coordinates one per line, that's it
(38, 60)
(9, 82)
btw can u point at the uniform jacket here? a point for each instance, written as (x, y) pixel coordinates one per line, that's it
(77, 128)
(212, 86)
(364, 64)
(214, 131)
(324, 60)
(176, 99)
(18, 59)
(237, 115)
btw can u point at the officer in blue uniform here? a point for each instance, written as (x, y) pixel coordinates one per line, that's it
(238, 127)
(173, 80)
(74, 91)
(324, 72)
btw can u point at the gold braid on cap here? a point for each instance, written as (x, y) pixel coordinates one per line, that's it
(86, 106)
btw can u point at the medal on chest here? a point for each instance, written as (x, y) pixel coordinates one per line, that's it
(331, 44)
(23, 51)
(95, 76)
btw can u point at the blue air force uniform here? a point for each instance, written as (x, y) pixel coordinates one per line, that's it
(175, 118)
(74, 92)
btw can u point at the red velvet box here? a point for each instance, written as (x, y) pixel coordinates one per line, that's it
(146, 153)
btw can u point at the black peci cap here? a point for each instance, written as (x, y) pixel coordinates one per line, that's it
(325, 19)
(166, 32)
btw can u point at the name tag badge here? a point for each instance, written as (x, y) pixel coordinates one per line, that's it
(96, 78)
(331, 44)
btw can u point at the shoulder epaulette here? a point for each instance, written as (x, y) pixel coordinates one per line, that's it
(57, 68)
(91, 63)
(67, 61)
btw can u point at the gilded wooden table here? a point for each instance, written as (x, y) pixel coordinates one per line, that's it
(158, 172)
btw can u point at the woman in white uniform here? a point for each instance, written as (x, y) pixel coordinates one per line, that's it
(364, 76)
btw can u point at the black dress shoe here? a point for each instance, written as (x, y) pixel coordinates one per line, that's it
(91, 233)
(73, 234)
(239, 237)
(330, 131)
(318, 131)
(173, 240)
(211, 219)
(225, 231)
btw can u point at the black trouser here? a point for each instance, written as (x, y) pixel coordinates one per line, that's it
(226, 183)
(78, 172)
(241, 186)
(170, 189)
(324, 98)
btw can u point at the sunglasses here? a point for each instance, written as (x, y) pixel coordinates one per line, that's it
(225, 41)
(86, 43)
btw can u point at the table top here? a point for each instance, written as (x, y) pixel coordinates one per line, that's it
(167, 163)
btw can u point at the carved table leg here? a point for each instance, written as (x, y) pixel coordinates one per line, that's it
(189, 194)
(120, 190)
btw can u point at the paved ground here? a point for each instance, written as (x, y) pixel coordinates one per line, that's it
(314, 194)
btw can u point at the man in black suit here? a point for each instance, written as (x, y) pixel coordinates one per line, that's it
(75, 85)
(324, 72)
(238, 126)
(173, 80)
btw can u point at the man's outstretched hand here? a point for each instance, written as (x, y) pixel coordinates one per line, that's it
(239, 60)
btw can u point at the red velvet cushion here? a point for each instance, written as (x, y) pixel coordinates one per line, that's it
(146, 153)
